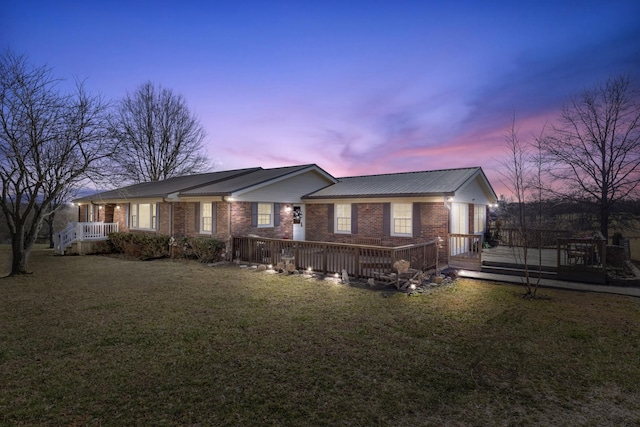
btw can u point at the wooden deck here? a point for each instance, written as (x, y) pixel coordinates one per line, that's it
(515, 255)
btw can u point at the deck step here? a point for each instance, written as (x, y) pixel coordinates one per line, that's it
(517, 271)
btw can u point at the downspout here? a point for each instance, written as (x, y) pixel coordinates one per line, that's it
(230, 246)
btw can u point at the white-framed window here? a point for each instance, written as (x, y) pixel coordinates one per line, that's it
(265, 214)
(343, 218)
(479, 219)
(206, 217)
(401, 219)
(143, 216)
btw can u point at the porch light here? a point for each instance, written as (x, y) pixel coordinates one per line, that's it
(100, 207)
(117, 206)
(287, 209)
(450, 199)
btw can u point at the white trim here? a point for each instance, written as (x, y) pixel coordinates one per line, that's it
(346, 215)
(271, 215)
(393, 220)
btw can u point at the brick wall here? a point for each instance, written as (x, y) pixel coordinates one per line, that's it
(241, 222)
(434, 222)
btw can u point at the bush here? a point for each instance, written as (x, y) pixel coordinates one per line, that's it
(203, 249)
(140, 246)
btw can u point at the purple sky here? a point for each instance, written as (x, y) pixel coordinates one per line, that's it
(358, 87)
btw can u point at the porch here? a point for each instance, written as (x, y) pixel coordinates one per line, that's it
(79, 237)
(360, 261)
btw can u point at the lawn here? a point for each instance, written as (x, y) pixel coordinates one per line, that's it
(98, 340)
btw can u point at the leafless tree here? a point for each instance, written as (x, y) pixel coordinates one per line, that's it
(49, 141)
(594, 151)
(521, 174)
(157, 136)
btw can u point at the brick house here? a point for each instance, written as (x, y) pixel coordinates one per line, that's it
(301, 203)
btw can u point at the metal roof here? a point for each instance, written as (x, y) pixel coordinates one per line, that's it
(426, 183)
(165, 187)
(247, 181)
(207, 184)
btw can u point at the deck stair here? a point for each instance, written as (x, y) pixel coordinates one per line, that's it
(514, 269)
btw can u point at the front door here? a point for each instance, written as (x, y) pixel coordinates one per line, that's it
(298, 222)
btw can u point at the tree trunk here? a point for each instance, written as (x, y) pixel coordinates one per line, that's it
(604, 220)
(20, 255)
(50, 224)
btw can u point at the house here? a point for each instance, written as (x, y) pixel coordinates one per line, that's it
(303, 203)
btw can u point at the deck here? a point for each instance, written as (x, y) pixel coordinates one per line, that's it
(546, 257)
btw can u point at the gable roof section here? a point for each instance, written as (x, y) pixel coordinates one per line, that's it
(407, 184)
(223, 183)
(165, 187)
(253, 181)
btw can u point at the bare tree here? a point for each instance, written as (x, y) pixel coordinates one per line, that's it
(594, 152)
(49, 142)
(520, 177)
(157, 136)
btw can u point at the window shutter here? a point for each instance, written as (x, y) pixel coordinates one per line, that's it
(416, 220)
(354, 218)
(196, 220)
(276, 214)
(214, 218)
(127, 211)
(254, 214)
(386, 219)
(330, 219)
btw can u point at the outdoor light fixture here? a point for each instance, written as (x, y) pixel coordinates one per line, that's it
(117, 206)
(287, 209)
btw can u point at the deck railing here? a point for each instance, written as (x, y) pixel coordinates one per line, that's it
(328, 257)
(82, 232)
(535, 238)
(465, 251)
(582, 259)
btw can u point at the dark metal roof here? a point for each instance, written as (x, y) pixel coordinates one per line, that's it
(426, 183)
(165, 187)
(246, 181)
(207, 184)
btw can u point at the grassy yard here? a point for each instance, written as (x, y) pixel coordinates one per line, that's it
(104, 341)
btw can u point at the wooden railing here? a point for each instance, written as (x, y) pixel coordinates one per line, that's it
(465, 251)
(535, 238)
(82, 232)
(328, 257)
(582, 259)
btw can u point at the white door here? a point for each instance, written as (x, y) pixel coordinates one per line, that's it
(298, 222)
(459, 225)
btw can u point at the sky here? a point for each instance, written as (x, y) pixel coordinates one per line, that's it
(357, 87)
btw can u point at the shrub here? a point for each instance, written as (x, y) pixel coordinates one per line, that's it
(203, 249)
(140, 246)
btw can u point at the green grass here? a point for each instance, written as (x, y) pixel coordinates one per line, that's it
(105, 341)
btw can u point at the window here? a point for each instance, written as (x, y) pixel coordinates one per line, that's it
(401, 219)
(343, 218)
(143, 216)
(265, 214)
(206, 218)
(479, 218)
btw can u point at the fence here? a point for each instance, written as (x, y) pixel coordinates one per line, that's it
(465, 251)
(327, 257)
